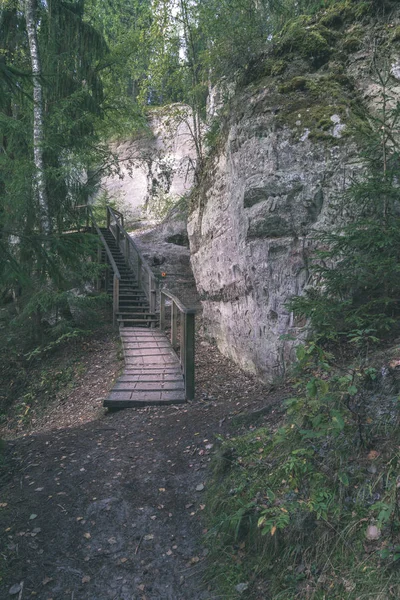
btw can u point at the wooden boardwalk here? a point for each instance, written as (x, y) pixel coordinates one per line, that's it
(152, 374)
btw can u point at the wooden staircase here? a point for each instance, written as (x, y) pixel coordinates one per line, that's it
(134, 309)
(154, 374)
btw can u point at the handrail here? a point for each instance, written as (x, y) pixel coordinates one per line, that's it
(187, 336)
(116, 273)
(103, 241)
(134, 258)
(180, 305)
(115, 212)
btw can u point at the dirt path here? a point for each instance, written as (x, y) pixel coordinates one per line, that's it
(112, 508)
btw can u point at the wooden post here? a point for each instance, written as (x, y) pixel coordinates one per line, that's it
(115, 298)
(99, 260)
(162, 311)
(188, 372)
(183, 341)
(127, 249)
(139, 271)
(174, 322)
(107, 277)
(150, 284)
(108, 218)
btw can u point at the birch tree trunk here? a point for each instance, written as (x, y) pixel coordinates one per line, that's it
(38, 128)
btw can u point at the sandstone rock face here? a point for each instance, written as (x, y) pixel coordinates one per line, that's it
(157, 168)
(285, 156)
(267, 188)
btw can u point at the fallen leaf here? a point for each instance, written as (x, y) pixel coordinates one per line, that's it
(161, 489)
(241, 587)
(124, 560)
(33, 516)
(373, 532)
(194, 560)
(373, 454)
(47, 580)
(87, 536)
(148, 537)
(3, 504)
(200, 487)
(112, 540)
(15, 589)
(273, 530)
(86, 579)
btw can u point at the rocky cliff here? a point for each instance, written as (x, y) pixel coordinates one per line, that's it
(156, 167)
(285, 154)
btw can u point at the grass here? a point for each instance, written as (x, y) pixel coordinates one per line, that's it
(310, 509)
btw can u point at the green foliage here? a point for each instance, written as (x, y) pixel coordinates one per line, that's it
(295, 505)
(356, 266)
(44, 276)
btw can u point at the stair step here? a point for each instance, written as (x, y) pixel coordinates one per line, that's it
(132, 295)
(143, 310)
(136, 314)
(131, 400)
(138, 320)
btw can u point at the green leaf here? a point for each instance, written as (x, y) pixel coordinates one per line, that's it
(337, 420)
(300, 353)
(312, 389)
(309, 434)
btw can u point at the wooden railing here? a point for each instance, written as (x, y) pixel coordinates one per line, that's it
(186, 317)
(116, 273)
(133, 257)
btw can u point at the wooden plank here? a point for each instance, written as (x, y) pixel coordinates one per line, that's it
(156, 386)
(150, 378)
(152, 371)
(122, 404)
(148, 352)
(146, 345)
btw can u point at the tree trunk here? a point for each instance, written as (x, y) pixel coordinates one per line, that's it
(38, 128)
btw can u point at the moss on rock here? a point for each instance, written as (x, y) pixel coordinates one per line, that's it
(302, 38)
(297, 83)
(346, 11)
